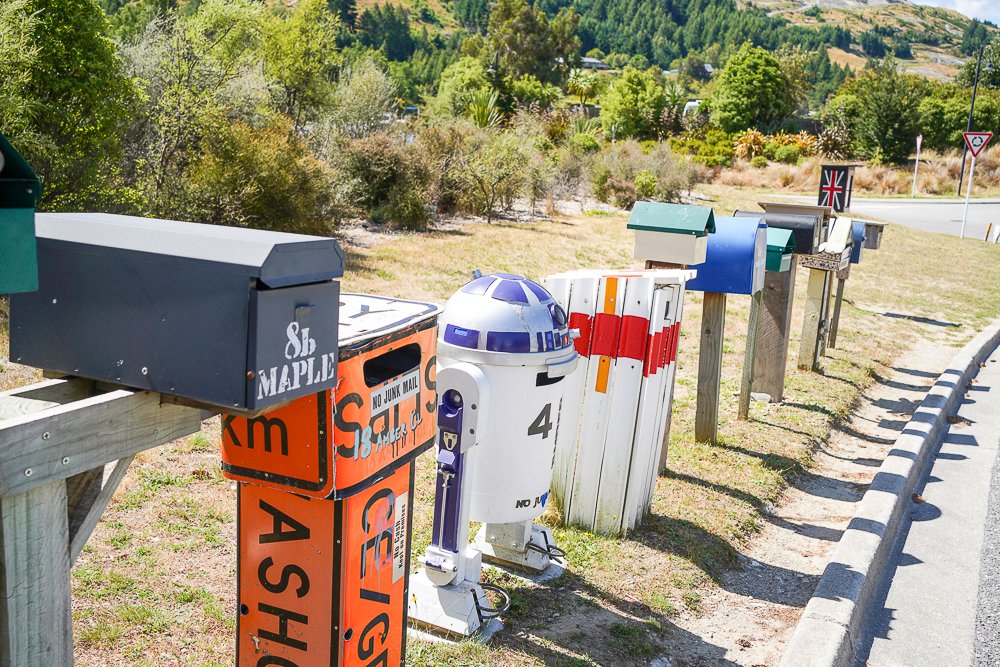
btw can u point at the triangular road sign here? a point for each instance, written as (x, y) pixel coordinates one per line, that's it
(976, 141)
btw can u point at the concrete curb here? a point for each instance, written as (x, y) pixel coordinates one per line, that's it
(830, 627)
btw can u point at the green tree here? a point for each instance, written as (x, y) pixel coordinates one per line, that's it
(491, 172)
(752, 91)
(345, 10)
(883, 115)
(582, 83)
(633, 104)
(299, 59)
(974, 36)
(195, 73)
(18, 57)
(364, 95)
(79, 102)
(989, 77)
(528, 91)
(526, 41)
(459, 82)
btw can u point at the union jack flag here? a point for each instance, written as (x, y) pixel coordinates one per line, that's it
(833, 188)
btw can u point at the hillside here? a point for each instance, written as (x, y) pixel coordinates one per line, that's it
(935, 33)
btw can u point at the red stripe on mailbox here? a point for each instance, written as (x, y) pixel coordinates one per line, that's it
(663, 354)
(606, 329)
(585, 323)
(632, 343)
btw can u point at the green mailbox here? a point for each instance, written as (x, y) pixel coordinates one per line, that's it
(780, 246)
(19, 191)
(671, 233)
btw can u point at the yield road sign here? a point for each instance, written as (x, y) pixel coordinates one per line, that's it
(976, 141)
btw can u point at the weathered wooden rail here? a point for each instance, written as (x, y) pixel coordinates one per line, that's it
(65, 445)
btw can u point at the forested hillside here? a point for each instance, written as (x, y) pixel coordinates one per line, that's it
(298, 114)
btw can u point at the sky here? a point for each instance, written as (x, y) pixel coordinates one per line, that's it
(976, 9)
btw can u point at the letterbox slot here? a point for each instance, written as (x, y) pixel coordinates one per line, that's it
(394, 363)
(544, 379)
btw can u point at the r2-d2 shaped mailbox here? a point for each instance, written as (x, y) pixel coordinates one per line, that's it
(617, 405)
(671, 233)
(19, 191)
(504, 352)
(236, 319)
(325, 497)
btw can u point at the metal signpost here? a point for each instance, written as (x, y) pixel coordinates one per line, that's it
(976, 142)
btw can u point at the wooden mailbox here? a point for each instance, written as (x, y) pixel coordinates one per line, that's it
(873, 234)
(610, 443)
(19, 191)
(236, 319)
(675, 234)
(325, 497)
(735, 264)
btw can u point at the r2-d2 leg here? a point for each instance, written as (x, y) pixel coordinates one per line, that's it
(446, 594)
(524, 545)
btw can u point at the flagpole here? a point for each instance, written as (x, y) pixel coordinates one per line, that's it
(968, 192)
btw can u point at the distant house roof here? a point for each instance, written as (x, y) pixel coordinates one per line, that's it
(592, 63)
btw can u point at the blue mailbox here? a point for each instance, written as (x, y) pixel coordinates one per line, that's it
(858, 230)
(735, 259)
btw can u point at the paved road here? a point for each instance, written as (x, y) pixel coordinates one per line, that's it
(944, 572)
(930, 215)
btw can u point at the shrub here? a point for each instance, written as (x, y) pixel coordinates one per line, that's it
(711, 147)
(749, 144)
(788, 154)
(584, 142)
(442, 146)
(758, 162)
(384, 180)
(626, 173)
(645, 184)
(492, 173)
(259, 177)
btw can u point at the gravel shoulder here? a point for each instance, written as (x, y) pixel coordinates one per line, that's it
(752, 614)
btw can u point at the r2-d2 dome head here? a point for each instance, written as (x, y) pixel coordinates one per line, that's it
(507, 320)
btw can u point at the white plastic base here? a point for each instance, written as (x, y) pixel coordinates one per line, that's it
(511, 552)
(450, 609)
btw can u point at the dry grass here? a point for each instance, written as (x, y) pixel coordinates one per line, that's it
(155, 584)
(937, 175)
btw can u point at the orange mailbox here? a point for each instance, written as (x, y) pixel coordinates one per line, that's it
(326, 486)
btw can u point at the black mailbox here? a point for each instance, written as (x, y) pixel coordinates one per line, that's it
(237, 318)
(809, 225)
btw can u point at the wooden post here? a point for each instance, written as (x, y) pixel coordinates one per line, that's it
(713, 326)
(771, 355)
(835, 322)
(748, 358)
(824, 329)
(812, 323)
(57, 436)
